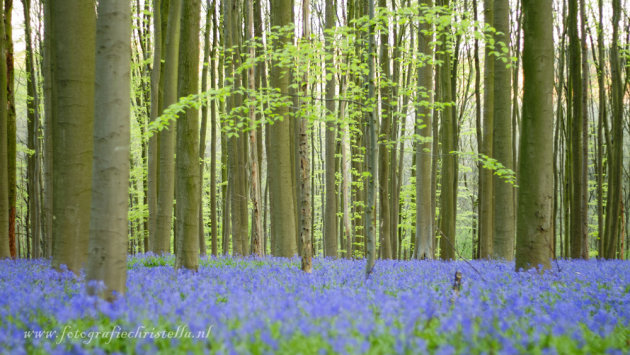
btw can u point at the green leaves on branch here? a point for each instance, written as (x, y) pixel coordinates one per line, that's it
(506, 174)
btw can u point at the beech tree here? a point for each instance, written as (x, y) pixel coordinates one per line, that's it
(110, 179)
(187, 176)
(4, 177)
(73, 25)
(535, 194)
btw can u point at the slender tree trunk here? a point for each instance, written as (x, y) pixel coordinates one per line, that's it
(108, 223)
(74, 28)
(423, 248)
(11, 124)
(330, 211)
(34, 168)
(237, 153)
(535, 193)
(478, 131)
(448, 194)
(47, 200)
(615, 151)
(486, 189)
(305, 186)
(4, 176)
(576, 143)
(383, 151)
(371, 149)
(504, 228)
(156, 98)
(281, 179)
(213, 134)
(600, 126)
(187, 178)
(204, 122)
(254, 161)
(166, 139)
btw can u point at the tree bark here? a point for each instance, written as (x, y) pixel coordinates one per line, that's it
(330, 211)
(423, 248)
(166, 138)
(504, 228)
(108, 223)
(486, 189)
(535, 193)
(4, 176)
(187, 178)
(282, 181)
(615, 151)
(73, 30)
(304, 161)
(448, 194)
(34, 167)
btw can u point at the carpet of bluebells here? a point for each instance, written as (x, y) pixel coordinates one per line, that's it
(268, 306)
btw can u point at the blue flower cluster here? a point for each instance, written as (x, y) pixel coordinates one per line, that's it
(260, 306)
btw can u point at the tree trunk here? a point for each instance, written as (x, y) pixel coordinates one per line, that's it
(4, 176)
(535, 193)
(304, 186)
(34, 168)
(73, 29)
(615, 151)
(213, 134)
(504, 229)
(486, 189)
(330, 211)
(448, 194)
(281, 180)
(204, 122)
(576, 143)
(108, 224)
(187, 178)
(166, 138)
(384, 176)
(254, 161)
(371, 149)
(156, 105)
(11, 124)
(423, 248)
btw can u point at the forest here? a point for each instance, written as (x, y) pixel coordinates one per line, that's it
(336, 176)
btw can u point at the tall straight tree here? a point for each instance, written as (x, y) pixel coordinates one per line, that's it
(4, 177)
(370, 234)
(304, 186)
(11, 124)
(330, 212)
(486, 190)
(254, 152)
(448, 194)
(187, 179)
(166, 138)
(534, 231)
(204, 123)
(47, 201)
(213, 132)
(504, 229)
(152, 163)
(73, 29)
(110, 178)
(615, 152)
(281, 180)
(576, 143)
(424, 213)
(237, 144)
(34, 167)
(384, 176)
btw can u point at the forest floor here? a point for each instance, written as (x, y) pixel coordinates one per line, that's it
(268, 306)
